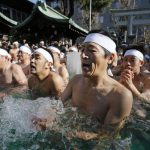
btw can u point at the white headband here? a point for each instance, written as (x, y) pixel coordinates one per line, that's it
(134, 52)
(54, 49)
(3, 52)
(25, 49)
(45, 54)
(102, 40)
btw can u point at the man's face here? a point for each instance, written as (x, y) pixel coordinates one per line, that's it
(132, 61)
(38, 63)
(56, 56)
(92, 59)
(23, 56)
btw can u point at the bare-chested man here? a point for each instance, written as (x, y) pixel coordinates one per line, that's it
(24, 55)
(44, 82)
(136, 81)
(10, 74)
(61, 69)
(14, 52)
(94, 91)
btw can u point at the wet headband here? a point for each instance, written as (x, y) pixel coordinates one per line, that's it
(54, 49)
(45, 54)
(25, 49)
(101, 40)
(134, 52)
(3, 52)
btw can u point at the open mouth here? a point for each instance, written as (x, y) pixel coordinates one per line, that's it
(86, 66)
(33, 67)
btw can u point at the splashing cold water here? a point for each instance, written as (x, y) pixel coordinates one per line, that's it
(17, 131)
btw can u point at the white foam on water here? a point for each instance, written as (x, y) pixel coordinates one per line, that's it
(16, 116)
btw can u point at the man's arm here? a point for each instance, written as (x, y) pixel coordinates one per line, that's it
(64, 74)
(58, 85)
(120, 108)
(67, 94)
(146, 89)
(19, 75)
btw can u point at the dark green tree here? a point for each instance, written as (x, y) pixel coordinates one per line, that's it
(97, 5)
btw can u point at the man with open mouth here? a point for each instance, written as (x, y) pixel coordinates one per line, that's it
(43, 82)
(94, 91)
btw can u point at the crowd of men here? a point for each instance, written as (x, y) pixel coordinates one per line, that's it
(107, 88)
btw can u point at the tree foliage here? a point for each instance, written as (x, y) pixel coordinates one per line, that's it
(97, 5)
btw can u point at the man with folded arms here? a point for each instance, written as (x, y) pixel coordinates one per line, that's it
(10, 74)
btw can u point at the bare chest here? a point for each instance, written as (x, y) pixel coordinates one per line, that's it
(92, 101)
(41, 88)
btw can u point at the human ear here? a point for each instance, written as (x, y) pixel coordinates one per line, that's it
(110, 58)
(141, 63)
(48, 65)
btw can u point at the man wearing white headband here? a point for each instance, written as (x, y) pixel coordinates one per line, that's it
(137, 81)
(93, 91)
(10, 74)
(58, 67)
(24, 55)
(43, 82)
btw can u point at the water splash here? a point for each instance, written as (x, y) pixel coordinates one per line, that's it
(18, 132)
(16, 116)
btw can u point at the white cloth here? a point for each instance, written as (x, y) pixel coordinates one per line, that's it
(25, 49)
(109, 72)
(102, 40)
(134, 52)
(45, 54)
(54, 49)
(3, 52)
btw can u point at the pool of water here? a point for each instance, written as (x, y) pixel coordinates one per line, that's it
(17, 131)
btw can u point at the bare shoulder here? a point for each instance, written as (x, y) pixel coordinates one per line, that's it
(76, 79)
(123, 93)
(55, 77)
(146, 75)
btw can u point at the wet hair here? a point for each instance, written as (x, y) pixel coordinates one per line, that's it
(63, 49)
(101, 31)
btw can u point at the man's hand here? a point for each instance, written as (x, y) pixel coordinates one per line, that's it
(126, 78)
